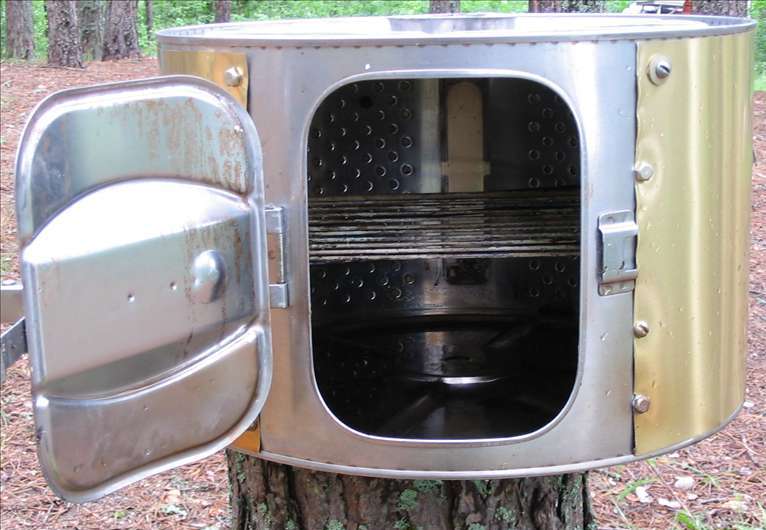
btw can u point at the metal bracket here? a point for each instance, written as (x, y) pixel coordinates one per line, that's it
(618, 234)
(13, 344)
(11, 307)
(276, 241)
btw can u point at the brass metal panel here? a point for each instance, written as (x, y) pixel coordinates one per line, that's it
(692, 255)
(210, 65)
(249, 441)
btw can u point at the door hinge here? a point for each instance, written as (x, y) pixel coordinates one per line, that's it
(618, 233)
(13, 344)
(276, 241)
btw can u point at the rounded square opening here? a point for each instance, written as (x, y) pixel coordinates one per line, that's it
(444, 239)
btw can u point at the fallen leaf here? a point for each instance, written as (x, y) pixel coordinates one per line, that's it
(669, 504)
(736, 505)
(643, 495)
(684, 483)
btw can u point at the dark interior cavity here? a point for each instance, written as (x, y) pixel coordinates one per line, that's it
(444, 233)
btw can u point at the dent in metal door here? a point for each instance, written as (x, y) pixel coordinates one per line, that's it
(140, 211)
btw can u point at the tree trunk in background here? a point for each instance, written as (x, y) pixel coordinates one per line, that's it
(91, 18)
(444, 6)
(267, 495)
(64, 47)
(121, 33)
(733, 8)
(20, 31)
(567, 6)
(149, 5)
(222, 10)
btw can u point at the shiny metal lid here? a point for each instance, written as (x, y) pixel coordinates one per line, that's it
(489, 28)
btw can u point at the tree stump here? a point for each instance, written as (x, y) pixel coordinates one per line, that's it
(265, 495)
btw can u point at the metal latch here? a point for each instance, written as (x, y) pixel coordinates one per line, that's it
(276, 235)
(618, 233)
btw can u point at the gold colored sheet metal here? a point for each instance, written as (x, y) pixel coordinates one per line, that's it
(212, 66)
(694, 217)
(249, 441)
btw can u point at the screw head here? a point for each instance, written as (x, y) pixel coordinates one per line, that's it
(659, 69)
(641, 403)
(643, 171)
(641, 329)
(233, 76)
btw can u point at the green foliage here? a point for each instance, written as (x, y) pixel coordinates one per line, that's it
(428, 486)
(173, 13)
(690, 522)
(408, 499)
(334, 524)
(758, 13)
(633, 486)
(505, 515)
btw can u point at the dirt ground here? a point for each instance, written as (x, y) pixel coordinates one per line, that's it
(719, 483)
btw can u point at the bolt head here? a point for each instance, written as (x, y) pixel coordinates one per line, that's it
(643, 171)
(660, 68)
(233, 76)
(641, 403)
(641, 329)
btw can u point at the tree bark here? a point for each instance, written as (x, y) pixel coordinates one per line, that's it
(20, 31)
(222, 10)
(64, 46)
(121, 33)
(567, 6)
(444, 6)
(732, 8)
(149, 5)
(265, 495)
(91, 17)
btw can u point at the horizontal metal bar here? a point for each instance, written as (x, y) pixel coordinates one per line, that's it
(496, 224)
(13, 344)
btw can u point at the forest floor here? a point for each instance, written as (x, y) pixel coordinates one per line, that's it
(718, 483)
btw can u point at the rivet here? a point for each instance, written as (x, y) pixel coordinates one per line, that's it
(659, 69)
(641, 329)
(233, 76)
(641, 403)
(208, 277)
(643, 171)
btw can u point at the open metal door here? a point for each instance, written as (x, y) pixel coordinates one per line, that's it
(143, 256)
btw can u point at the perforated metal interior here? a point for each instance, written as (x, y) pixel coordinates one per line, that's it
(372, 137)
(438, 314)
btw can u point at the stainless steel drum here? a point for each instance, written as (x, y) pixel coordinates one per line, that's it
(457, 247)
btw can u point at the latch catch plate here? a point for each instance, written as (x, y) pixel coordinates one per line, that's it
(618, 234)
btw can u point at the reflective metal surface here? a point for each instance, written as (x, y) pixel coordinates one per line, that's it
(595, 81)
(11, 308)
(450, 225)
(157, 131)
(693, 218)
(479, 28)
(144, 255)
(296, 65)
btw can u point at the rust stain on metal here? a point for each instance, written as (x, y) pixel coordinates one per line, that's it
(208, 65)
